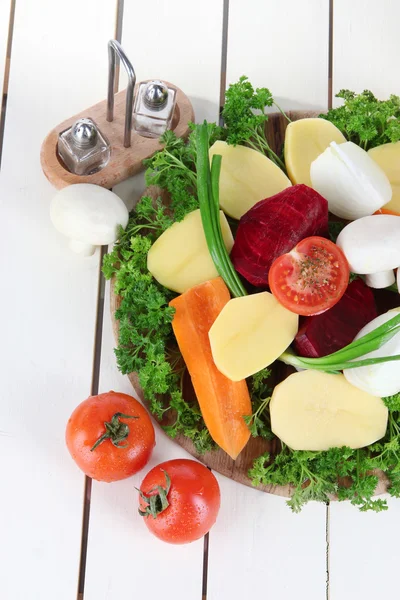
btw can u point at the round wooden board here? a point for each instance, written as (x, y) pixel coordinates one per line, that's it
(218, 460)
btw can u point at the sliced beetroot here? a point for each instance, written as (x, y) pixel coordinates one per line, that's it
(332, 330)
(274, 226)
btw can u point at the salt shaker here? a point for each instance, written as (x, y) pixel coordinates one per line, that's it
(154, 108)
(83, 148)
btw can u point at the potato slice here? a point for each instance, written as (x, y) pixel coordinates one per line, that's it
(180, 259)
(388, 158)
(312, 410)
(247, 176)
(250, 333)
(305, 140)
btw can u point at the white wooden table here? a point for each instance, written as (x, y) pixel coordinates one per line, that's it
(54, 352)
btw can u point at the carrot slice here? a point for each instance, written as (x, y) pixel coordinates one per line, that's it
(386, 211)
(223, 402)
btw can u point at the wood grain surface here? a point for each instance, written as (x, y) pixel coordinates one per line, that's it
(218, 460)
(124, 162)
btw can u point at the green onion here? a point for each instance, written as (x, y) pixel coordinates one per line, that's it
(208, 194)
(345, 358)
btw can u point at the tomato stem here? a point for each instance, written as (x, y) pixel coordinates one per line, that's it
(156, 503)
(116, 431)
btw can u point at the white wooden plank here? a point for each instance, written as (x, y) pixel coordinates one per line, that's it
(120, 547)
(5, 6)
(175, 51)
(48, 301)
(258, 548)
(282, 46)
(366, 46)
(364, 553)
(181, 44)
(366, 50)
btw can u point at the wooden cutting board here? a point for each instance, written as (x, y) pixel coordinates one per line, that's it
(218, 460)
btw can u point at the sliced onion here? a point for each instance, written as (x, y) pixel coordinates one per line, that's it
(352, 182)
(382, 379)
(371, 244)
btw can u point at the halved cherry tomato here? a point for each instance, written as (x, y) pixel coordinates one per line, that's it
(110, 436)
(179, 500)
(311, 278)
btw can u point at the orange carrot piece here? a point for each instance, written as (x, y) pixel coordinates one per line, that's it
(223, 402)
(386, 211)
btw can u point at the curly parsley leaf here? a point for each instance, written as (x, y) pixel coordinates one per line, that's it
(146, 343)
(365, 120)
(245, 116)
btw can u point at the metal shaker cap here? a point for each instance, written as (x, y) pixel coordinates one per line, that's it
(84, 133)
(155, 95)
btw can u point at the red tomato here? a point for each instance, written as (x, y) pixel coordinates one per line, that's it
(110, 436)
(191, 498)
(311, 278)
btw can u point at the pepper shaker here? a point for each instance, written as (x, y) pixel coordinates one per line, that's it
(83, 148)
(154, 108)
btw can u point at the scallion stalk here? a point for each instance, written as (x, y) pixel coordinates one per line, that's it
(208, 194)
(345, 358)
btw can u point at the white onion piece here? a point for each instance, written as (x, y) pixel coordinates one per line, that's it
(382, 379)
(371, 244)
(352, 182)
(380, 280)
(398, 279)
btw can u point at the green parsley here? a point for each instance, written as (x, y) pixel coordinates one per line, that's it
(146, 344)
(365, 120)
(245, 116)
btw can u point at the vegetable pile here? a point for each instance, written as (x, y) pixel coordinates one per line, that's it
(214, 304)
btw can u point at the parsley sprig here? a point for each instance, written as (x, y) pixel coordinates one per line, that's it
(365, 120)
(245, 116)
(146, 344)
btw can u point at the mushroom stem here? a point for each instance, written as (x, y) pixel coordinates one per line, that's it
(82, 248)
(381, 279)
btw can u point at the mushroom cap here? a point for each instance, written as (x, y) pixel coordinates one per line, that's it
(371, 244)
(88, 213)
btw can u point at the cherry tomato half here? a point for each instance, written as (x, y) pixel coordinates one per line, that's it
(311, 278)
(179, 500)
(110, 436)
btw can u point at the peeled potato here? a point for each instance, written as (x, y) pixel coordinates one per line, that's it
(180, 259)
(312, 410)
(250, 333)
(305, 140)
(388, 158)
(247, 176)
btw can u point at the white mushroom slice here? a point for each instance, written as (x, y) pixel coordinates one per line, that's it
(371, 244)
(380, 280)
(89, 215)
(352, 182)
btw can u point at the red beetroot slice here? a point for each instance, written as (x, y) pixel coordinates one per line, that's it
(334, 329)
(273, 227)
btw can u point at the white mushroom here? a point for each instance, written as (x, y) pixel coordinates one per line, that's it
(89, 215)
(372, 247)
(380, 280)
(352, 182)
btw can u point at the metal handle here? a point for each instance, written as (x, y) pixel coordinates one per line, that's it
(115, 48)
